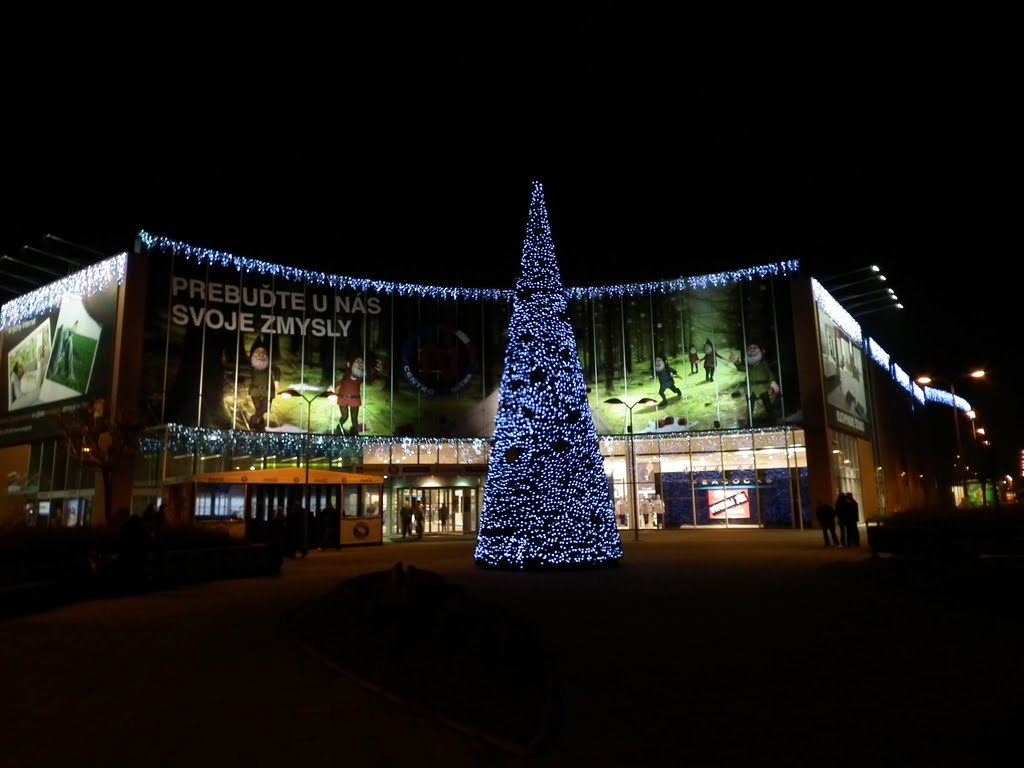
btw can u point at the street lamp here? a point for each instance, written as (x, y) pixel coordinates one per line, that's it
(953, 401)
(865, 294)
(981, 442)
(880, 308)
(314, 394)
(872, 280)
(868, 297)
(631, 465)
(848, 274)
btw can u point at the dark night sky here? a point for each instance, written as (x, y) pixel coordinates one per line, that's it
(401, 142)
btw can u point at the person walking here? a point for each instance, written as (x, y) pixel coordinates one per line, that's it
(827, 520)
(419, 511)
(281, 535)
(442, 516)
(331, 527)
(298, 522)
(842, 508)
(852, 521)
(405, 516)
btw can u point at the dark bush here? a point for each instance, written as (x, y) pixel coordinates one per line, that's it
(69, 555)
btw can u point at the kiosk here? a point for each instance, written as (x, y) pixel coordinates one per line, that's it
(244, 502)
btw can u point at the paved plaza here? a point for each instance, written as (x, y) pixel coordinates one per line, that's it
(702, 648)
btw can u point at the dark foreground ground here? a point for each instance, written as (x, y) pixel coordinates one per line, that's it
(703, 648)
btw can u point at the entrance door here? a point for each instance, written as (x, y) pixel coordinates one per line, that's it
(461, 503)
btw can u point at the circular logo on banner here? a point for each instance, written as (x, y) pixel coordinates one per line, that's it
(361, 530)
(439, 360)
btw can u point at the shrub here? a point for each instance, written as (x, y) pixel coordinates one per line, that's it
(69, 554)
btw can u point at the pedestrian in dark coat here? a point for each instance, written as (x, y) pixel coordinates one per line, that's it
(827, 520)
(846, 517)
(406, 518)
(298, 528)
(331, 527)
(852, 520)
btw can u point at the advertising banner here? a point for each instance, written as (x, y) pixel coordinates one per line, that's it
(60, 357)
(844, 378)
(223, 344)
(224, 347)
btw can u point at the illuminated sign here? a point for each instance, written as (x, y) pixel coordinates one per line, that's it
(732, 503)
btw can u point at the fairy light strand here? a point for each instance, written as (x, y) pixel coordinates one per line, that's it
(547, 501)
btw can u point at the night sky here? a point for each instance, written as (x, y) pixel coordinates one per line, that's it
(401, 142)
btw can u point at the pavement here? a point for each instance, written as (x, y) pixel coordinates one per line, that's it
(702, 648)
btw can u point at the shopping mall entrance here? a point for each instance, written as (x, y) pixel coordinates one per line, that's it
(460, 502)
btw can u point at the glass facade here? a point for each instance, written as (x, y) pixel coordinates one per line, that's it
(693, 385)
(722, 479)
(221, 343)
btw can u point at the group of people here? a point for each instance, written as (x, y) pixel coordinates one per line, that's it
(296, 530)
(844, 515)
(413, 518)
(411, 515)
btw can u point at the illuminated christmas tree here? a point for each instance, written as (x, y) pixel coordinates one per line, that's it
(547, 502)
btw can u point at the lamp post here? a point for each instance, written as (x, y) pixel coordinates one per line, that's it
(981, 444)
(631, 466)
(926, 380)
(871, 282)
(881, 308)
(826, 279)
(314, 395)
(866, 300)
(978, 469)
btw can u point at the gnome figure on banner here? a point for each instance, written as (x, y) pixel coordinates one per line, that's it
(762, 385)
(349, 389)
(264, 381)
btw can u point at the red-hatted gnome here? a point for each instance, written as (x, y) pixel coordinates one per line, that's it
(762, 387)
(349, 389)
(264, 381)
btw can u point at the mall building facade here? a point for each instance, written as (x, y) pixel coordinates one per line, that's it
(737, 399)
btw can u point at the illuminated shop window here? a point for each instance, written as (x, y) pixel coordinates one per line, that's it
(377, 454)
(447, 454)
(475, 452)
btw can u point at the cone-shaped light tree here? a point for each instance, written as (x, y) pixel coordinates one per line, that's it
(547, 502)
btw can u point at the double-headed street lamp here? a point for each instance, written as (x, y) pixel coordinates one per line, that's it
(631, 464)
(309, 395)
(955, 403)
(894, 304)
(866, 302)
(857, 274)
(869, 284)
